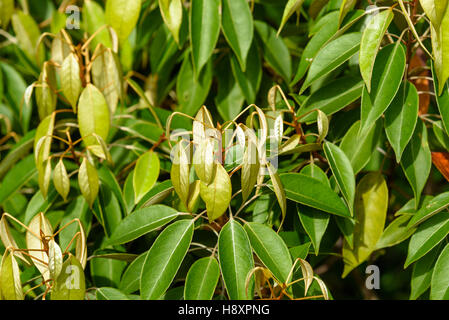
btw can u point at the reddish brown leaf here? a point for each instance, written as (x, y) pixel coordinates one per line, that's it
(441, 162)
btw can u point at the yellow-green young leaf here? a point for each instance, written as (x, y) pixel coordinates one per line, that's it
(440, 47)
(70, 79)
(371, 39)
(322, 122)
(46, 97)
(38, 227)
(93, 116)
(370, 210)
(81, 247)
(88, 181)
(10, 285)
(94, 19)
(291, 7)
(278, 188)
(42, 139)
(107, 75)
(145, 175)
(6, 11)
(122, 15)
(61, 180)
(202, 123)
(71, 284)
(44, 177)
(60, 49)
(171, 11)
(54, 259)
(7, 238)
(27, 34)
(345, 7)
(435, 10)
(203, 161)
(217, 195)
(194, 196)
(180, 173)
(250, 170)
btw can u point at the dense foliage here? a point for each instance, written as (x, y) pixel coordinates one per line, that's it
(224, 149)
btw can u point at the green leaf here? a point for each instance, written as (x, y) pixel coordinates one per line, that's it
(141, 222)
(371, 39)
(401, 117)
(88, 181)
(427, 236)
(417, 161)
(217, 195)
(93, 19)
(314, 222)
(359, 148)
(110, 294)
(343, 172)
(442, 99)
(229, 99)
(171, 11)
(322, 36)
(70, 285)
(271, 250)
(238, 28)
(291, 7)
(106, 272)
(122, 15)
(396, 232)
(386, 80)
(370, 210)
(164, 259)
(10, 285)
(6, 11)
(332, 97)
(331, 56)
(434, 206)
(236, 261)
(20, 174)
(70, 79)
(145, 174)
(439, 288)
(440, 46)
(93, 117)
(61, 180)
(205, 23)
(202, 279)
(276, 53)
(192, 91)
(130, 281)
(249, 81)
(422, 273)
(313, 193)
(440, 134)
(27, 34)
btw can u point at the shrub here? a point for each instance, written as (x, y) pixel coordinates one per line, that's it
(211, 149)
